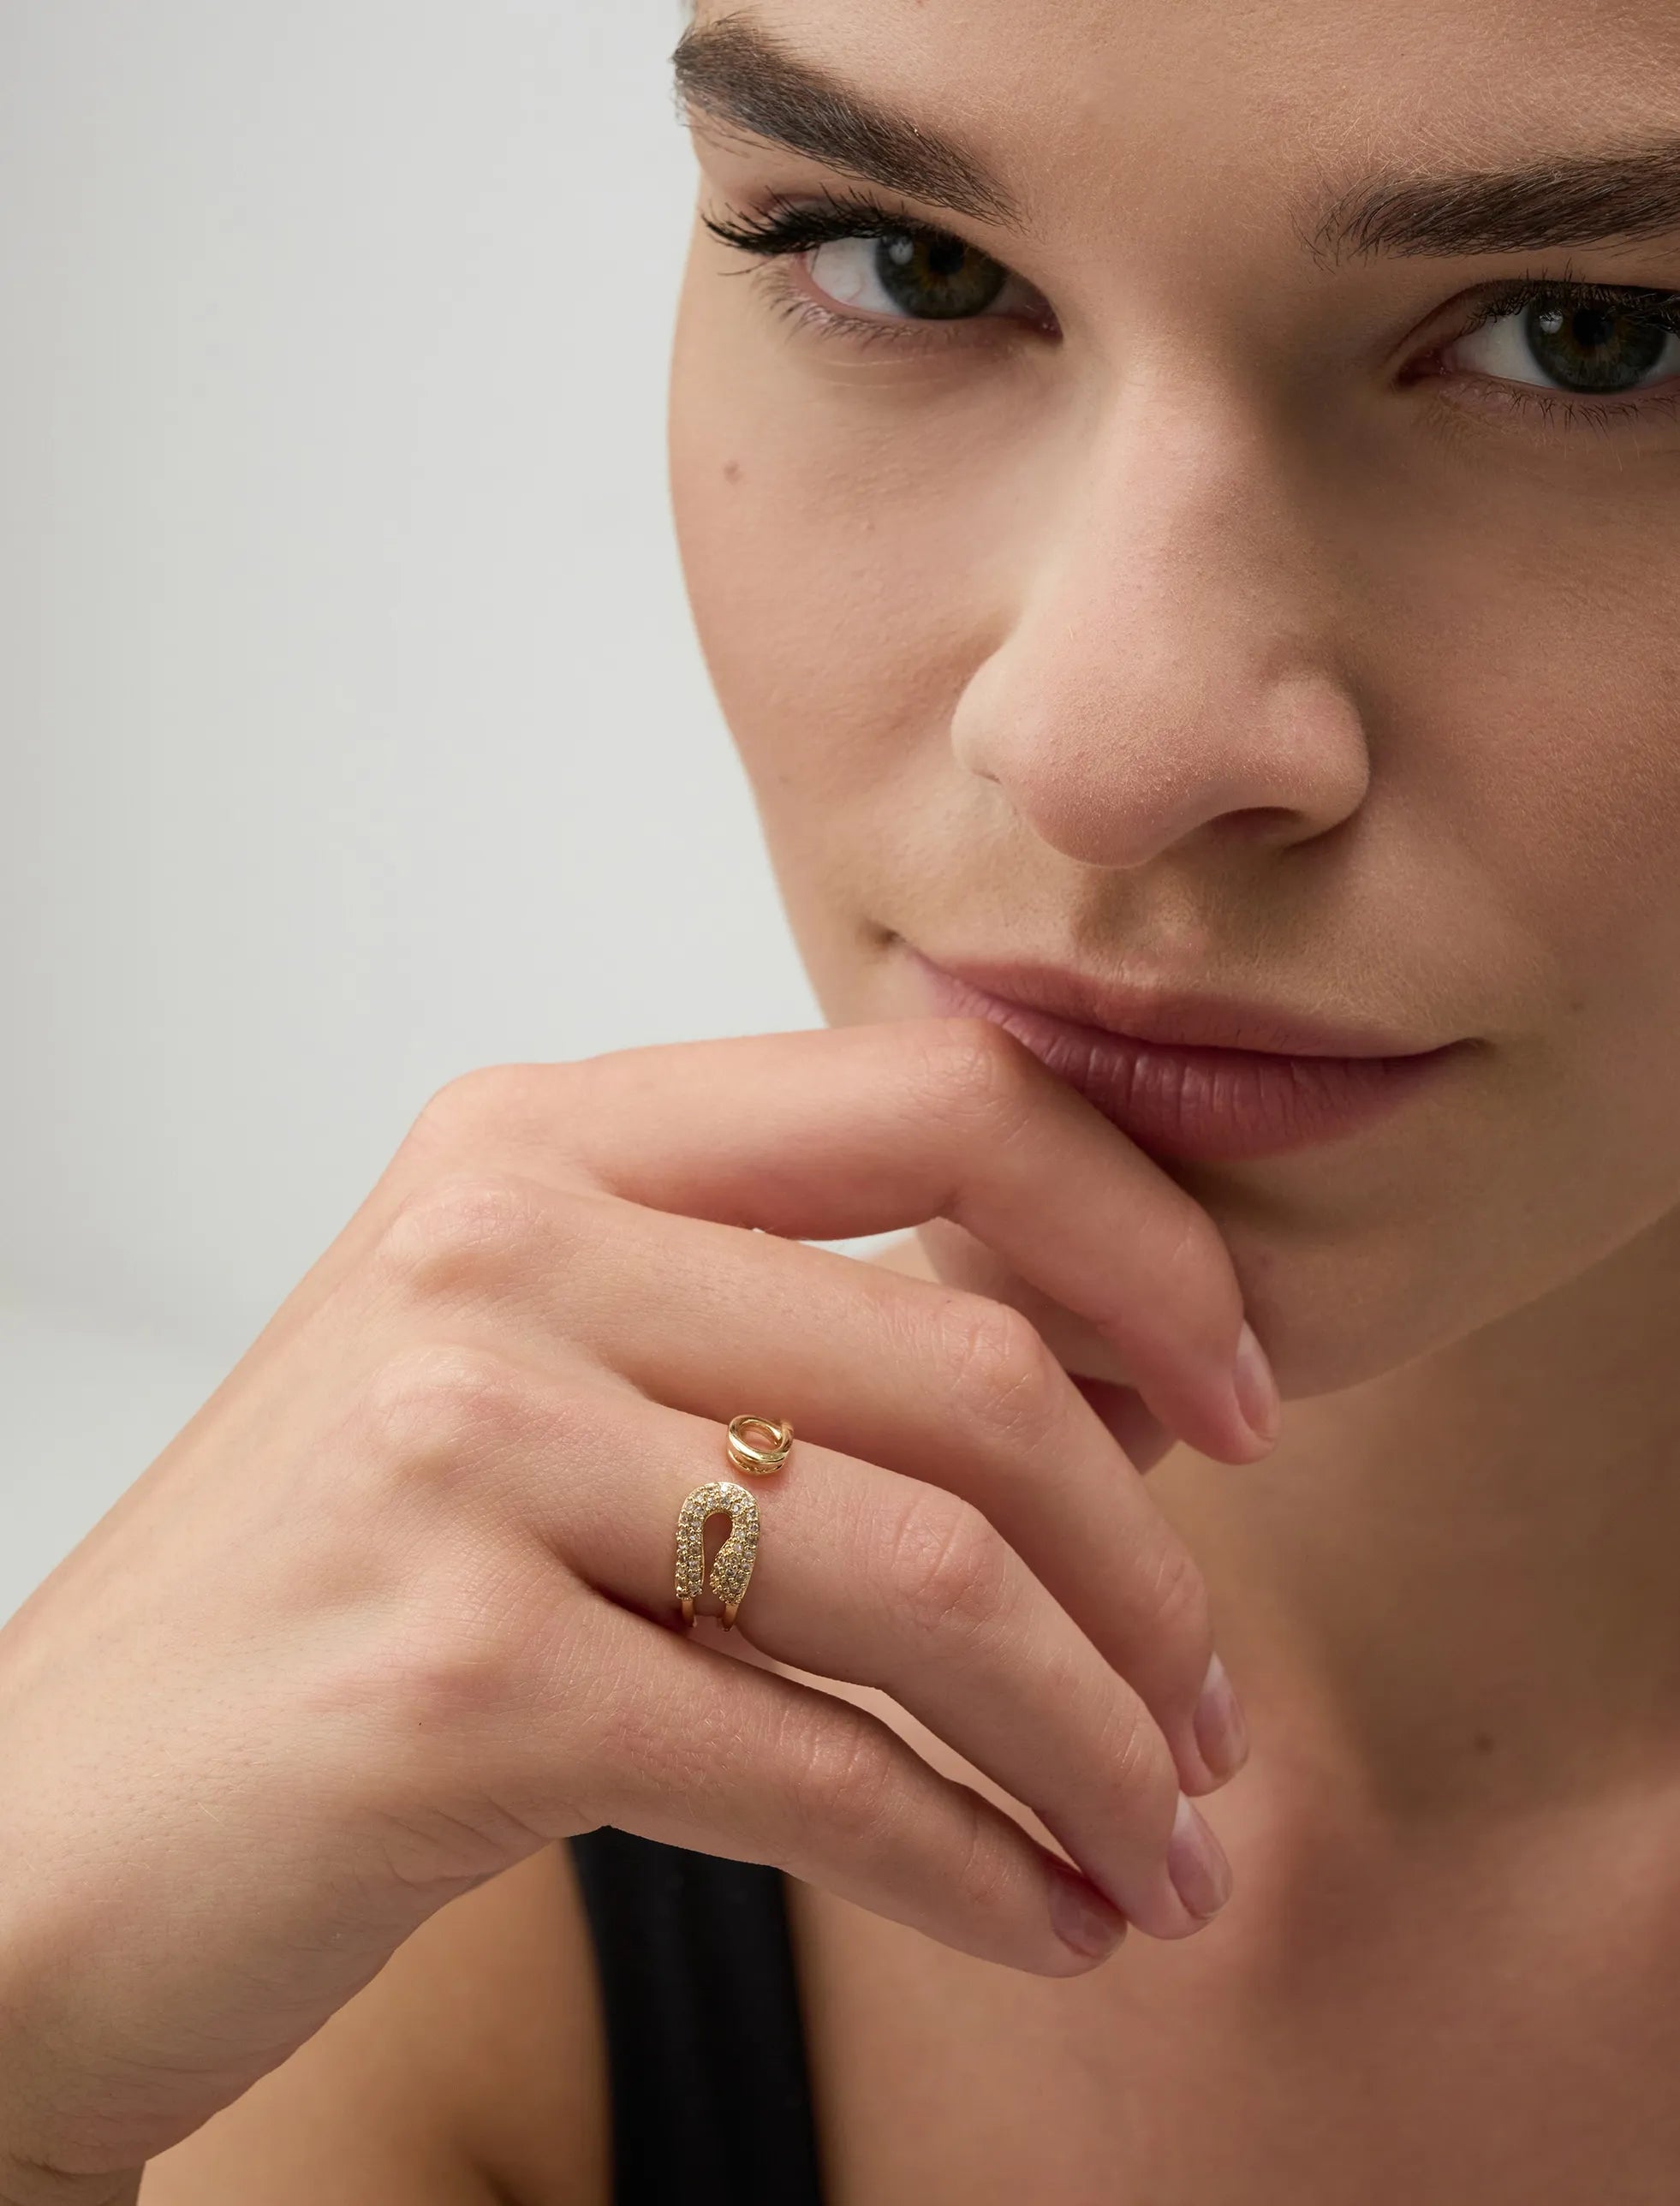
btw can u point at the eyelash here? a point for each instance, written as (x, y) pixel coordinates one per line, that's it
(1547, 408)
(785, 230)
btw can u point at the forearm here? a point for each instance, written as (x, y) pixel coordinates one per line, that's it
(32, 2183)
(49, 2113)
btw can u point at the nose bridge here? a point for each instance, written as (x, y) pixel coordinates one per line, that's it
(1169, 656)
(1181, 501)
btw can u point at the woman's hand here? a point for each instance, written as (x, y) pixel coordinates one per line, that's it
(397, 1608)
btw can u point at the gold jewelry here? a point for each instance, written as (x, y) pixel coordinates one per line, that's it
(732, 1565)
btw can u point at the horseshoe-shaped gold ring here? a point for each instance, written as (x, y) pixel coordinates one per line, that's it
(732, 1565)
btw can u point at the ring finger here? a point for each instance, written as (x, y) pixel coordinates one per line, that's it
(866, 1574)
(909, 1373)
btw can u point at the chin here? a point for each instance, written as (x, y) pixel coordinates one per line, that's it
(1334, 1311)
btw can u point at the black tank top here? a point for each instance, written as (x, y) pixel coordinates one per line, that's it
(705, 2039)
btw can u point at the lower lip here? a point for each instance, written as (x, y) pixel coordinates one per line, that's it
(1203, 1105)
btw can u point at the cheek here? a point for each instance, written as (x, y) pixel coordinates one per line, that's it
(1522, 708)
(1539, 734)
(831, 556)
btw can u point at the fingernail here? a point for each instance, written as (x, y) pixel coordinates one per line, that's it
(1083, 1919)
(1257, 1395)
(1196, 1863)
(1222, 1730)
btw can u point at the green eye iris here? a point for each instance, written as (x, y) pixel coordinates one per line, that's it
(937, 279)
(1593, 348)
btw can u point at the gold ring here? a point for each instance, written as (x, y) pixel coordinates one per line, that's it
(745, 1456)
(732, 1565)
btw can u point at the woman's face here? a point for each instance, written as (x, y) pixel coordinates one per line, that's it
(1223, 576)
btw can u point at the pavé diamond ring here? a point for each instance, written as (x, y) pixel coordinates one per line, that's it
(732, 1565)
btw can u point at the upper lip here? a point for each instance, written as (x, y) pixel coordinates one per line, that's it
(1174, 1017)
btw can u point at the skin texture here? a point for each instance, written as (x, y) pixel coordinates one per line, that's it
(1250, 637)
(395, 1611)
(1200, 647)
(1191, 647)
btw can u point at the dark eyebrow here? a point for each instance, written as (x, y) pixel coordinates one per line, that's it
(738, 73)
(1597, 199)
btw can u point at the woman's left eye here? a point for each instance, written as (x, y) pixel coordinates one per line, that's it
(909, 275)
(1588, 349)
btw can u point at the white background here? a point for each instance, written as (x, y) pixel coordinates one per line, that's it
(352, 728)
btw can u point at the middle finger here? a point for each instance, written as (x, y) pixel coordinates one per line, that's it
(924, 1379)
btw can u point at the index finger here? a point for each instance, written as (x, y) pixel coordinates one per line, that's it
(834, 1132)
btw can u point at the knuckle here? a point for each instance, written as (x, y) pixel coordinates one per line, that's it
(1000, 1370)
(846, 1783)
(1120, 1746)
(437, 1414)
(454, 1647)
(454, 1660)
(458, 1115)
(948, 1567)
(490, 1099)
(983, 1876)
(1176, 1594)
(1133, 1753)
(469, 1232)
(975, 1073)
(1191, 1266)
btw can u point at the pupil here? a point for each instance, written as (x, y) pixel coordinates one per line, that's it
(1593, 347)
(937, 278)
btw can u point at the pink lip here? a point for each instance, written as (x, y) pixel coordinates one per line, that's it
(1199, 1078)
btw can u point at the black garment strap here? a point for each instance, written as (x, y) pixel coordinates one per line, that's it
(706, 2042)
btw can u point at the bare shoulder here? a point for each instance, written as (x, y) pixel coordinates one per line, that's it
(470, 2072)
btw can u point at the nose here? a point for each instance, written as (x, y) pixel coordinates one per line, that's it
(1166, 666)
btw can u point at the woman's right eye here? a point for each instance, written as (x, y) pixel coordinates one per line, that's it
(919, 276)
